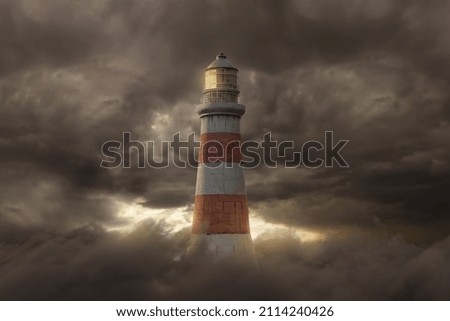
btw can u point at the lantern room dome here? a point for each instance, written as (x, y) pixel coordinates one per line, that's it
(221, 62)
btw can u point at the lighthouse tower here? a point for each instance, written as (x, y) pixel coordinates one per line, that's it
(221, 223)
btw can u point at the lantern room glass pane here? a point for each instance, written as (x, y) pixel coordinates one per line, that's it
(211, 79)
(220, 78)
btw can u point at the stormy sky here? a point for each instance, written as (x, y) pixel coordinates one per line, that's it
(75, 74)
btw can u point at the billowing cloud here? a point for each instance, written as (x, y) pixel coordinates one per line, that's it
(148, 264)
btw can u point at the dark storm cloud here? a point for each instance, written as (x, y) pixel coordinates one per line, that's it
(148, 264)
(33, 33)
(382, 95)
(58, 112)
(35, 202)
(74, 75)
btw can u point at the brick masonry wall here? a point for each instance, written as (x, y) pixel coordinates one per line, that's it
(224, 147)
(220, 214)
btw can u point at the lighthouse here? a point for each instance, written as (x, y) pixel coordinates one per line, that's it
(221, 220)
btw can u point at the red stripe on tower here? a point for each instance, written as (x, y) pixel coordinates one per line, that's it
(221, 214)
(224, 147)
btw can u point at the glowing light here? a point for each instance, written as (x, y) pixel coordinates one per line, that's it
(261, 227)
(132, 213)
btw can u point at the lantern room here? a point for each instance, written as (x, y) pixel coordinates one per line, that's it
(220, 81)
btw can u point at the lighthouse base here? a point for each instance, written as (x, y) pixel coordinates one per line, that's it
(223, 246)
